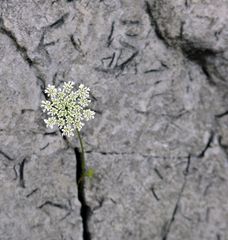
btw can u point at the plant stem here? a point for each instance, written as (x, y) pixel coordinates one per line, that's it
(82, 153)
(80, 182)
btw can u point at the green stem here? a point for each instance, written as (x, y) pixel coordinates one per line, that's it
(82, 153)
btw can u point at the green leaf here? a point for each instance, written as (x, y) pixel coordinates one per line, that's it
(89, 173)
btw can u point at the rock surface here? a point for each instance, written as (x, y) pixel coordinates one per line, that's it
(158, 71)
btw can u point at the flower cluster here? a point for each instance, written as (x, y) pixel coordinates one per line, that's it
(67, 108)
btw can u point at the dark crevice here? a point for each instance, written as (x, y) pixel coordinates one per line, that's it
(104, 59)
(42, 46)
(112, 153)
(223, 146)
(93, 98)
(127, 45)
(130, 22)
(148, 156)
(54, 1)
(181, 30)
(53, 204)
(21, 173)
(112, 59)
(97, 111)
(58, 23)
(162, 68)
(73, 41)
(175, 210)
(222, 114)
(207, 73)
(199, 56)
(208, 145)
(218, 237)
(6, 156)
(26, 110)
(66, 215)
(24, 54)
(208, 211)
(85, 209)
(187, 4)
(109, 153)
(164, 65)
(129, 34)
(154, 194)
(118, 68)
(109, 59)
(76, 45)
(168, 225)
(110, 39)
(50, 44)
(188, 165)
(32, 192)
(21, 49)
(15, 172)
(127, 61)
(205, 192)
(51, 133)
(100, 202)
(195, 53)
(153, 22)
(158, 173)
(41, 43)
(41, 149)
(152, 70)
(54, 78)
(42, 84)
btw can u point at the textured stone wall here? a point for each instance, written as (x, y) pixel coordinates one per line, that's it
(157, 70)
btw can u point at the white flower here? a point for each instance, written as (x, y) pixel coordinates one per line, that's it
(50, 122)
(68, 87)
(66, 107)
(68, 131)
(51, 91)
(46, 105)
(88, 114)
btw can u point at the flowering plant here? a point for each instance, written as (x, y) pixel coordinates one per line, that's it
(67, 109)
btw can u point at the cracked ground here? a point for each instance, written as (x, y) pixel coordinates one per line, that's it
(157, 71)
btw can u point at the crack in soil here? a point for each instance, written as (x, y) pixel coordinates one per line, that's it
(168, 225)
(85, 209)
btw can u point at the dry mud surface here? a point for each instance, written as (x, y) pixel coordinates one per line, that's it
(157, 70)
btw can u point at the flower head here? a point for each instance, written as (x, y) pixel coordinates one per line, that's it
(67, 108)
